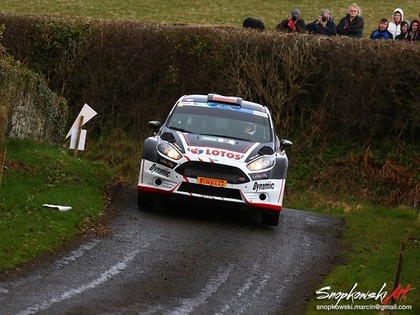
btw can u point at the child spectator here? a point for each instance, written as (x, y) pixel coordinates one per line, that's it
(404, 30)
(324, 24)
(382, 31)
(394, 26)
(413, 31)
(293, 23)
(352, 24)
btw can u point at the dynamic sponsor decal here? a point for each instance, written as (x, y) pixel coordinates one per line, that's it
(263, 186)
(216, 152)
(159, 170)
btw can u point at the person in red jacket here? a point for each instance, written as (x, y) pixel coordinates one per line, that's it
(352, 24)
(293, 24)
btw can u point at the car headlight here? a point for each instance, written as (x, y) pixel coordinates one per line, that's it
(261, 163)
(168, 150)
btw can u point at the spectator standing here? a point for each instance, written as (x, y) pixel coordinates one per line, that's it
(404, 30)
(382, 31)
(293, 24)
(352, 24)
(413, 31)
(394, 26)
(324, 24)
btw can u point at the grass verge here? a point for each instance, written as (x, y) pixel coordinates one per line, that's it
(37, 174)
(372, 240)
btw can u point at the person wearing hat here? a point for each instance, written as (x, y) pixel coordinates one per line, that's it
(293, 24)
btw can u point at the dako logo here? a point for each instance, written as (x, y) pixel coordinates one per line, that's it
(263, 186)
(159, 170)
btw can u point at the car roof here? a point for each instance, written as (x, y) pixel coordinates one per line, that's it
(217, 98)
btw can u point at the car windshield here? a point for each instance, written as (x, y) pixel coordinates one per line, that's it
(221, 121)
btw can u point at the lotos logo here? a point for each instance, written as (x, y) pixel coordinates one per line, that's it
(216, 152)
(196, 151)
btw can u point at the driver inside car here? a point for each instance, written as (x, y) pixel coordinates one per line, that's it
(250, 129)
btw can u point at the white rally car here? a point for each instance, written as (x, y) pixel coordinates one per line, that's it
(219, 148)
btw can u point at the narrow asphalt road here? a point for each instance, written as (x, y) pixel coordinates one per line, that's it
(177, 261)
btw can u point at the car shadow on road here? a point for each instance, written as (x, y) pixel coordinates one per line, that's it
(209, 212)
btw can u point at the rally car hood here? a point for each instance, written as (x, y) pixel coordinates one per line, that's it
(199, 147)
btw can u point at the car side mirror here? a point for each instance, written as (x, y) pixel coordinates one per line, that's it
(155, 125)
(284, 143)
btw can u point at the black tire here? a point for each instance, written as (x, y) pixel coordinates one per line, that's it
(270, 218)
(145, 200)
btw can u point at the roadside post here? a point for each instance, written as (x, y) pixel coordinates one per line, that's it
(3, 159)
(76, 133)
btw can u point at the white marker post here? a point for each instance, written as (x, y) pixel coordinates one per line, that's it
(78, 135)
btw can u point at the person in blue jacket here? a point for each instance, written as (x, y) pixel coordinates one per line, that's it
(323, 25)
(382, 31)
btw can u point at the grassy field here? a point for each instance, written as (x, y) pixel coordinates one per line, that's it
(210, 11)
(38, 174)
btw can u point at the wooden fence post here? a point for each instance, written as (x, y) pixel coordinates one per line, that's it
(79, 132)
(3, 160)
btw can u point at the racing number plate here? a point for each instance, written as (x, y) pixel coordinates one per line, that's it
(211, 182)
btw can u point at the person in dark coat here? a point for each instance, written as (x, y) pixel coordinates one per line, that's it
(382, 31)
(251, 22)
(352, 24)
(413, 31)
(293, 24)
(404, 30)
(323, 25)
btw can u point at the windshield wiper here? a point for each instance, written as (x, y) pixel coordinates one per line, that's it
(178, 129)
(223, 136)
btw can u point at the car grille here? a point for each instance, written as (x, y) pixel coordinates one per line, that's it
(210, 190)
(232, 175)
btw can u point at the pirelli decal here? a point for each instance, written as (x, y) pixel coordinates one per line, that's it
(211, 182)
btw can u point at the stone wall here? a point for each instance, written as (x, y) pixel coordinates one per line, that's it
(32, 110)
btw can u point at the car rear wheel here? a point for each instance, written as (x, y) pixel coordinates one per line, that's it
(271, 218)
(145, 200)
